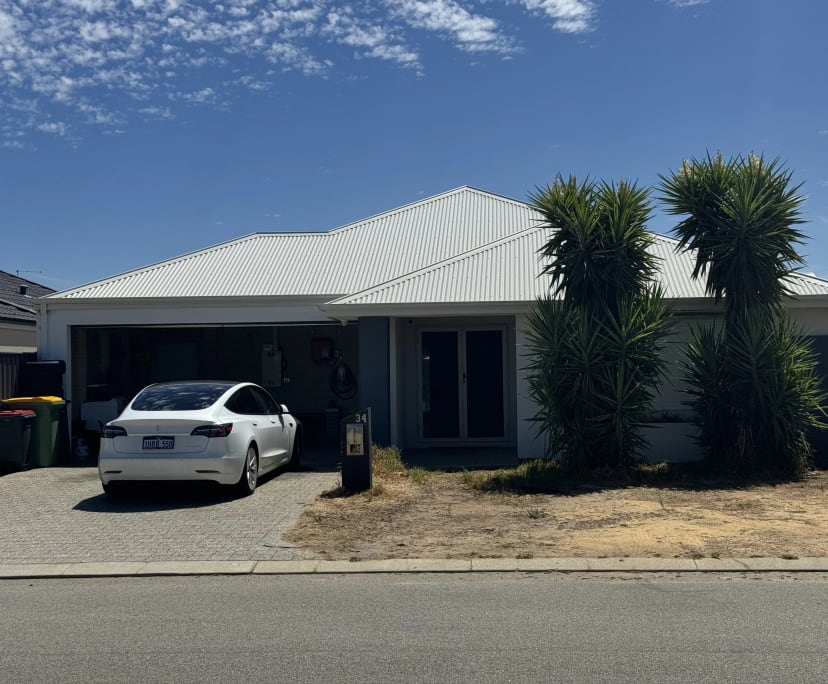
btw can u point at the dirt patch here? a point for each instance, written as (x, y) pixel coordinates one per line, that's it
(442, 517)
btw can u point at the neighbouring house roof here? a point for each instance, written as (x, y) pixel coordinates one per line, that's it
(17, 298)
(464, 246)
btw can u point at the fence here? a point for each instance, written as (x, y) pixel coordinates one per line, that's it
(9, 370)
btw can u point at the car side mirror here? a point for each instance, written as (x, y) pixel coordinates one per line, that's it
(283, 408)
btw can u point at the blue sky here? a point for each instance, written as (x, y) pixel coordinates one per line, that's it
(132, 131)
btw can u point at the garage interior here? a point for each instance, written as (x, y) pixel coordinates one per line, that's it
(310, 368)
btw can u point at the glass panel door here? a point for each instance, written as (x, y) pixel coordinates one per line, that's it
(441, 392)
(462, 384)
(484, 383)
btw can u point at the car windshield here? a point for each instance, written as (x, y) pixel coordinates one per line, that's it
(190, 396)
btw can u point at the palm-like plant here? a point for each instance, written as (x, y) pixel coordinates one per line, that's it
(596, 350)
(739, 218)
(598, 249)
(753, 383)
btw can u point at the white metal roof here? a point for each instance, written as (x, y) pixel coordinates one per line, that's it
(462, 246)
(502, 271)
(339, 262)
(508, 271)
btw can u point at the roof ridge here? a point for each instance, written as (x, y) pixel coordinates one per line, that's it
(425, 200)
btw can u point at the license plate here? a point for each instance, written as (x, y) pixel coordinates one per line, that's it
(159, 442)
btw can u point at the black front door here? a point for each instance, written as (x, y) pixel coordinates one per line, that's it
(462, 384)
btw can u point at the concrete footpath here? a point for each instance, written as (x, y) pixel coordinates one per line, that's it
(422, 565)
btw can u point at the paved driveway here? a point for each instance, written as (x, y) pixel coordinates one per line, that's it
(54, 515)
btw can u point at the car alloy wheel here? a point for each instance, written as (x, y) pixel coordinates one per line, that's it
(250, 474)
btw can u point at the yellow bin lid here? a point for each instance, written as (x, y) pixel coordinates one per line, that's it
(32, 400)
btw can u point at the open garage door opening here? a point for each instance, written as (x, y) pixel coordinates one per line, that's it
(310, 368)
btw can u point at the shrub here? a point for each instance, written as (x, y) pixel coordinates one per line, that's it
(596, 354)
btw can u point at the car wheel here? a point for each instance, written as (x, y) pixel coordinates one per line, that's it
(112, 489)
(250, 473)
(296, 456)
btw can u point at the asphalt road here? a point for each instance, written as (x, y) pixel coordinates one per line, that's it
(416, 628)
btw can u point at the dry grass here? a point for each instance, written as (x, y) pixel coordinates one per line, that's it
(535, 511)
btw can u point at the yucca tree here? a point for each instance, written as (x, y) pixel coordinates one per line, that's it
(753, 380)
(755, 391)
(597, 252)
(595, 342)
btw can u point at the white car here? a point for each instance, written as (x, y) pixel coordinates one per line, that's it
(225, 432)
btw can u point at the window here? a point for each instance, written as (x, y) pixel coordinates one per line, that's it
(269, 404)
(177, 396)
(245, 402)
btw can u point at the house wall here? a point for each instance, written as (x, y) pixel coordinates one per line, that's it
(382, 352)
(306, 385)
(814, 321)
(375, 375)
(397, 362)
(17, 342)
(672, 394)
(670, 397)
(529, 444)
(17, 335)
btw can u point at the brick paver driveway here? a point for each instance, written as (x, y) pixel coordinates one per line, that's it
(55, 515)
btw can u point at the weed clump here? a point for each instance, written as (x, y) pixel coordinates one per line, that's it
(386, 460)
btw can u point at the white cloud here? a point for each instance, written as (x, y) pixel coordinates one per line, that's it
(157, 112)
(203, 95)
(253, 83)
(569, 16)
(91, 5)
(688, 3)
(104, 62)
(472, 33)
(54, 127)
(377, 41)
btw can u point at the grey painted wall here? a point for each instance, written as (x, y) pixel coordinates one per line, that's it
(374, 375)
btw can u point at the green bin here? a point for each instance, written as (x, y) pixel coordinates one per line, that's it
(46, 445)
(15, 436)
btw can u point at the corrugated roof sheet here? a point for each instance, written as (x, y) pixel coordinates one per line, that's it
(507, 271)
(502, 271)
(461, 246)
(338, 262)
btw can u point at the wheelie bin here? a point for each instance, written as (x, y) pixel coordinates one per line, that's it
(47, 447)
(15, 437)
